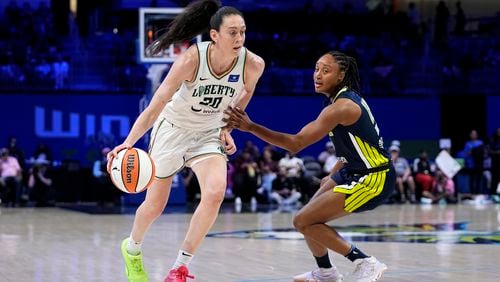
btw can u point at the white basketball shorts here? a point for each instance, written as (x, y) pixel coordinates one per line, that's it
(172, 147)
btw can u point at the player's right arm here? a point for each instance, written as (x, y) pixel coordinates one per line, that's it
(183, 69)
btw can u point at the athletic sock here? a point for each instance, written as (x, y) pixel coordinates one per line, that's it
(324, 261)
(183, 258)
(133, 247)
(355, 254)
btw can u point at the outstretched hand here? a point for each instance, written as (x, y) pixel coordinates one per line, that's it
(237, 118)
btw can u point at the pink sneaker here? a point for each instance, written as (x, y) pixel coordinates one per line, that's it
(180, 274)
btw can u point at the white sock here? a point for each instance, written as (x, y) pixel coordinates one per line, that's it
(133, 247)
(183, 258)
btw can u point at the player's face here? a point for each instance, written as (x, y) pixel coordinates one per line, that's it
(327, 75)
(231, 35)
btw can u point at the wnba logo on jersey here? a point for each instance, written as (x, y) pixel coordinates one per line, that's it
(233, 78)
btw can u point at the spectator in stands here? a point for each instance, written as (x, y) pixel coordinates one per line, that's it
(15, 151)
(443, 188)
(473, 153)
(424, 176)
(404, 179)
(396, 143)
(42, 151)
(269, 170)
(10, 179)
(329, 150)
(251, 148)
(284, 190)
(40, 184)
(330, 161)
(294, 168)
(277, 153)
(246, 179)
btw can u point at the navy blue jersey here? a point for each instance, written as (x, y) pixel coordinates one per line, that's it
(359, 145)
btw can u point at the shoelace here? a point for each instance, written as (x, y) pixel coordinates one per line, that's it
(136, 265)
(182, 274)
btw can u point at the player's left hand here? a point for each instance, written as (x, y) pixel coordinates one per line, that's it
(227, 141)
(237, 118)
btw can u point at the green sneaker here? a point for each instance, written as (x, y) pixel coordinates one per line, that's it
(134, 269)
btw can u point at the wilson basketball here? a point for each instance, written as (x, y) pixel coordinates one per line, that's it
(132, 170)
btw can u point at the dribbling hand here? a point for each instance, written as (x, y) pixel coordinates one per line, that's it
(113, 153)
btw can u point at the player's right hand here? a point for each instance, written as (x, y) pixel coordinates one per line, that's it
(113, 153)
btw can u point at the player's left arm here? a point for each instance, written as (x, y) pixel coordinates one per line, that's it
(254, 67)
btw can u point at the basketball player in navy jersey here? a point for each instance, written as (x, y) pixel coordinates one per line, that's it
(362, 179)
(186, 115)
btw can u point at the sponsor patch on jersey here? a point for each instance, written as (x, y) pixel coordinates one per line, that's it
(233, 78)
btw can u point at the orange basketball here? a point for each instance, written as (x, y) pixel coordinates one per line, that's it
(132, 170)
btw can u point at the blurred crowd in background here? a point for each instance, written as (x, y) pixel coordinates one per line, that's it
(400, 49)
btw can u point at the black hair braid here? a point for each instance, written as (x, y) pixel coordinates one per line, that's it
(194, 20)
(349, 66)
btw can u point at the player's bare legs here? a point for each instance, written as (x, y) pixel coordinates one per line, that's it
(211, 174)
(312, 218)
(152, 207)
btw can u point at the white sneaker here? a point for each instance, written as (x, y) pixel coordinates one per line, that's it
(368, 270)
(318, 276)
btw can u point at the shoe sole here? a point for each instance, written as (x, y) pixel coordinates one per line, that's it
(381, 273)
(314, 280)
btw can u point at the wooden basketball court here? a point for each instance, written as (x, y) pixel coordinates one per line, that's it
(418, 243)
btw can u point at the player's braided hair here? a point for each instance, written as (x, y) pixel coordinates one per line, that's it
(197, 18)
(348, 65)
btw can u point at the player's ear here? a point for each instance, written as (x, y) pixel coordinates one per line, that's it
(214, 35)
(341, 76)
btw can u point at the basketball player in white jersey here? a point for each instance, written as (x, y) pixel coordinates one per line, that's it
(186, 114)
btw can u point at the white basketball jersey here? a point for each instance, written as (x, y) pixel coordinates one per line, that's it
(199, 105)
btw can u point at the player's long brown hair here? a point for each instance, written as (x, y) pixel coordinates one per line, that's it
(197, 18)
